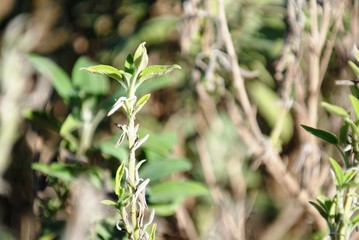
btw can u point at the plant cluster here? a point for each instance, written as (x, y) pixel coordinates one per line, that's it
(341, 210)
(129, 187)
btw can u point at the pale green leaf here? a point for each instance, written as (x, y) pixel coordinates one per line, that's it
(140, 58)
(335, 109)
(141, 102)
(355, 52)
(270, 108)
(119, 174)
(107, 71)
(350, 174)
(355, 104)
(354, 67)
(153, 232)
(156, 71)
(338, 172)
(109, 203)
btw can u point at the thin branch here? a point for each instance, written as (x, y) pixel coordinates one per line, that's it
(238, 81)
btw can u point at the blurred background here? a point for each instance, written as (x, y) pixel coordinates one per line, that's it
(226, 156)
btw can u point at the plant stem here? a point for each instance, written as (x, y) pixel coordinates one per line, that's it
(132, 135)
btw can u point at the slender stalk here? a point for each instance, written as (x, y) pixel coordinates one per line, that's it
(131, 196)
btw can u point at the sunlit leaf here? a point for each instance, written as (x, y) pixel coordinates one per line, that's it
(338, 172)
(335, 109)
(118, 179)
(355, 104)
(156, 71)
(109, 203)
(107, 71)
(153, 232)
(141, 102)
(350, 174)
(355, 52)
(354, 67)
(140, 58)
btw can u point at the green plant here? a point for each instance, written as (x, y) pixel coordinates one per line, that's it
(341, 211)
(129, 187)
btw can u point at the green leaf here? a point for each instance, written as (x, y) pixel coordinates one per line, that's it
(129, 68)
(153, 232)
(355, 52)
(161, 143)
(166, 209)
(324, 202)
(109, 203)
(70, 124)
(140, 58)
(355, 221)
(87, 82)
(338, 172)
(173, 191)
(335, 109)
(354, 67)
(119, 174)
(141, 102)
(350, 174)
(266, 98)
(156, 170)
(343, 133)
(325, 135)
(58, 77)
(62, 172)
(321, 210)
(107, 71)
(145, 87)
(156, 71)
(107, 148)
(355, 90)
(355, 104)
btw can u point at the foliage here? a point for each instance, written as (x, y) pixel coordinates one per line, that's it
(131, 202)
(340, 211)
(226, 156)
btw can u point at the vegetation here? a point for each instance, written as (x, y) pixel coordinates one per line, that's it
(231, 146)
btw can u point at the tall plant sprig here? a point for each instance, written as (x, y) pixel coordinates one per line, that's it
(341, 211)
(130, 190)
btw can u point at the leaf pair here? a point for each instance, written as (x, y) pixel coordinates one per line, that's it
(135, 66)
